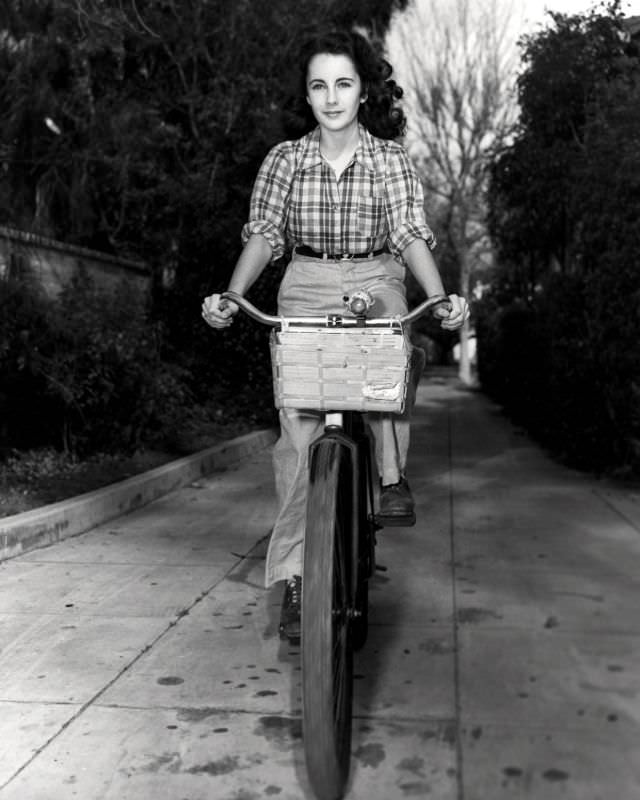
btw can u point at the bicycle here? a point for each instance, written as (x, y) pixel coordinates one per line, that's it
(369, 373)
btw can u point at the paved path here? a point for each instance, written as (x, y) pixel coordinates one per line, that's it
(140, 661)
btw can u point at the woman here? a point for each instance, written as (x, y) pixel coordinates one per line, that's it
(346, 198)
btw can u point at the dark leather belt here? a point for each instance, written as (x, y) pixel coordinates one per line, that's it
(303, 250)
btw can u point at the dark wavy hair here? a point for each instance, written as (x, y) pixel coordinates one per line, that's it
(378, 113)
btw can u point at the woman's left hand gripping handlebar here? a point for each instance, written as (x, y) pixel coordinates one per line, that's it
(452, 320)
(218, 312)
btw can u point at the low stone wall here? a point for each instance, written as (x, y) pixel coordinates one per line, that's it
(52, 264)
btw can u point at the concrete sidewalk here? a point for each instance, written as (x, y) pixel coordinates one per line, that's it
(51, 523)
(141, 659)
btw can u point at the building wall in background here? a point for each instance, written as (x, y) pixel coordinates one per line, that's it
(51, 264)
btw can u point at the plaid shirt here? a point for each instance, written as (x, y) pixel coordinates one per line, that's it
(376, 202)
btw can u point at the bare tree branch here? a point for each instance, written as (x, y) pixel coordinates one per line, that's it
(456, 60)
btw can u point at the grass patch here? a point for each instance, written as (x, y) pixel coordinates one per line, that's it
(33, 478)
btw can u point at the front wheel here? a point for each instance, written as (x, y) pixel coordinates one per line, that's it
(361, 621)
(327, 661)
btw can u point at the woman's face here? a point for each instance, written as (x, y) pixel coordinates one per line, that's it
(334, 91)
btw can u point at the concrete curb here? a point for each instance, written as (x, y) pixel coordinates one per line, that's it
(43, 526)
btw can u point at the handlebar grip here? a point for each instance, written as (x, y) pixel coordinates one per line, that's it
(234, 297)
(431, 304)
(251, 310)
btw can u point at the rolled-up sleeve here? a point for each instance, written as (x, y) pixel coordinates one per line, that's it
(405, 204)
(269, 199)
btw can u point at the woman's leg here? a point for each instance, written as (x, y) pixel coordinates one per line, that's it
(290, 461)
(384, 279)
(309, 287)
(392, 431)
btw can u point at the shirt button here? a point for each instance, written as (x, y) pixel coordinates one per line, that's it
(335, 206)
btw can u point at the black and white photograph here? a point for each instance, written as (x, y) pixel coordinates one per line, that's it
(319, 399)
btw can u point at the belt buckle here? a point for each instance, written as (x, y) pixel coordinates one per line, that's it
(347, 257)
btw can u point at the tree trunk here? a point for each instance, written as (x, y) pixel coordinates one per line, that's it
(464, 365)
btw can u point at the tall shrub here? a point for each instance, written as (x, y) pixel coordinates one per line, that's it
(86, 372)
(25, 326)
(565, 203)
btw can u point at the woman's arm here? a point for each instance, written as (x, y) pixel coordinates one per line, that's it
(422, 264)
(424, 268)
(263, 235)
(255, 256)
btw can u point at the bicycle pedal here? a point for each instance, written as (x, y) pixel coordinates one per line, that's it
(397, 521)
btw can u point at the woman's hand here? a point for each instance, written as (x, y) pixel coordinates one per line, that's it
(217, 312)
(455, 318)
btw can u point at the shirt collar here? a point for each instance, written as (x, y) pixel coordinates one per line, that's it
(365, 151)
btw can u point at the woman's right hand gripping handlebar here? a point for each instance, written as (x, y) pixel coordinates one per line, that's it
(218, 312)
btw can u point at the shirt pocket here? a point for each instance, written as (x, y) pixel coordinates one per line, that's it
(370, 216)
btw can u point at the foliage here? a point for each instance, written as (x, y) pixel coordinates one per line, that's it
(24, 322)
(137, 127)
(32, 465)
(534, 208)
(565, 215)
(85, 373)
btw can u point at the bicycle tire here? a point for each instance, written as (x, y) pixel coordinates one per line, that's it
(361, 622)
(327, 658)
(366, 557)
(366, 532)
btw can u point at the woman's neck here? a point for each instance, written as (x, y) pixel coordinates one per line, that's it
(334, 144)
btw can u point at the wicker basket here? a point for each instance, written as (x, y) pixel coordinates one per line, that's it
(360, 369)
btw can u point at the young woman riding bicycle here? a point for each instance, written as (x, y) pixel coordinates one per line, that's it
(346, 200)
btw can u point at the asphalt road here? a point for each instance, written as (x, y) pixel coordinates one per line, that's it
(140, 661)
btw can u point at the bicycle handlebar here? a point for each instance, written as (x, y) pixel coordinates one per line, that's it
(439, 300)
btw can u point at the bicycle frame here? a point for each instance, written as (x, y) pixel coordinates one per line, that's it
(336, 565)
(334, 420)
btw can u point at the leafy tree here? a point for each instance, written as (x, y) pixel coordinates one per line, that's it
(137, 127)
(85, 372)
(533, 210)
(140, 123)
(565, 203)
